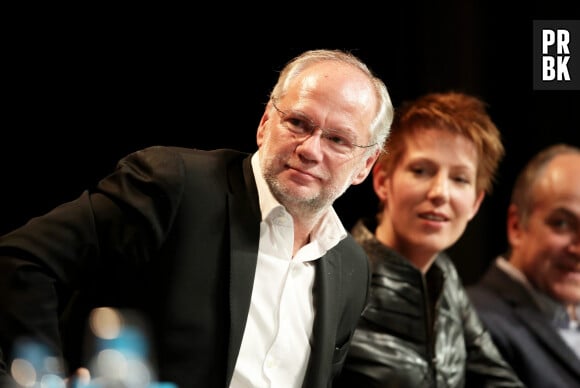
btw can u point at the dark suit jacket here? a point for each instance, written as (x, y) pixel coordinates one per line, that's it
(523, 335)
(173, 234)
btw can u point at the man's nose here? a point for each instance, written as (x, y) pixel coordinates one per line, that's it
(574, 246)
(312, 146)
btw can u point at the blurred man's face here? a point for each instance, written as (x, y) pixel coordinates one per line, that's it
(547, 247)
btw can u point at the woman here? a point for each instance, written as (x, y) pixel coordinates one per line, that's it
(419, 329)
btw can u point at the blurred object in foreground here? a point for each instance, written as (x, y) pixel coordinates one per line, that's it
(118, 352)
(120, 355)
(33, 366)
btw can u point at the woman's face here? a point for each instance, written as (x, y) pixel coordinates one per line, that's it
(430, 196)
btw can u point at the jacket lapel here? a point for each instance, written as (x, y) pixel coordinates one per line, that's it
(327, 295)
(527, 312)
(244, 217)
(549, 337)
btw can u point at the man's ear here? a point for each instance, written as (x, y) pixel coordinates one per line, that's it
(262, 126)
(513, 225)
(364, 172)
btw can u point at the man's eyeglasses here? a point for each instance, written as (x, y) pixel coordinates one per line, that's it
(339, 142)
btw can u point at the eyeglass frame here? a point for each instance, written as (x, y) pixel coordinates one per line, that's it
(312, 127)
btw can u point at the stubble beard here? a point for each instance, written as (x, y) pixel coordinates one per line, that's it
(300, 204)
(295, 203)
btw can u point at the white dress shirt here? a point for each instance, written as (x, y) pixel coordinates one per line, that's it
(276, 343)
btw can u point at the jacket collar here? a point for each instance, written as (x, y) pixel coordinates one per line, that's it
(244, 222)
(527, 311)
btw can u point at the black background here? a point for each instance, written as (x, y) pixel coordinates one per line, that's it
(81, 88)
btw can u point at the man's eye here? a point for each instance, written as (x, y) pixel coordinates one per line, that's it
(337, 139)
(559, 223)
(298, 125)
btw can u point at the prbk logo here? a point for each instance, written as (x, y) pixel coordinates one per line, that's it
(557, 54)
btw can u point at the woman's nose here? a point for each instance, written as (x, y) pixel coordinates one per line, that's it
(439, 189)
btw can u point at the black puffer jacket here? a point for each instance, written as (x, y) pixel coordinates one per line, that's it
(419, 331)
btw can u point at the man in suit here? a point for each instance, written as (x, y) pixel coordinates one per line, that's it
(237, 263)
(530, 299)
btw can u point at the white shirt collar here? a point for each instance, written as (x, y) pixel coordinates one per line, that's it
(326, 234)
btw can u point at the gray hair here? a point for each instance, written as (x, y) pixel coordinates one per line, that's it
(381, 124)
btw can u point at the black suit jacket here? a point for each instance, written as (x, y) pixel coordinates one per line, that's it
(172, 234)
(523, 334)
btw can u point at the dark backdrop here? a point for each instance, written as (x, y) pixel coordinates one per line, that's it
(79, 93)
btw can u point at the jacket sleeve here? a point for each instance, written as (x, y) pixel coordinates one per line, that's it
(485, 365)
(115, 226)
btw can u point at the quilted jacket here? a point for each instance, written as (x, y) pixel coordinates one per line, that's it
(419, 330)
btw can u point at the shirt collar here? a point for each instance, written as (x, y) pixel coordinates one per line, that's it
(550, 307)
(327, 233)
(267, 201)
